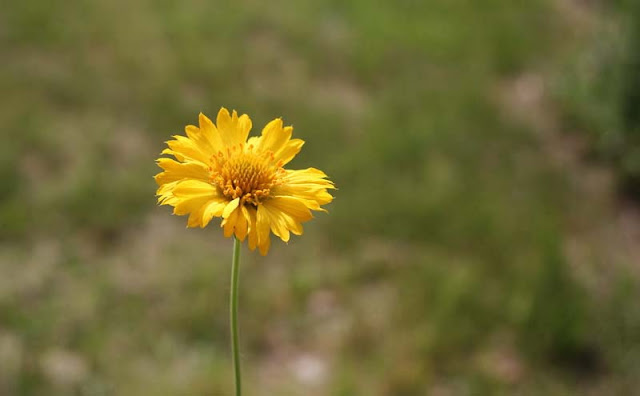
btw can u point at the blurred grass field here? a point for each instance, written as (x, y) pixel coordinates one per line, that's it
(474, 247)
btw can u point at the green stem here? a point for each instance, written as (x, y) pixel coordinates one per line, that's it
(234, 314)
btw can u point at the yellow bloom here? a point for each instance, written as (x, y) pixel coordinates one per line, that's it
(217, 172)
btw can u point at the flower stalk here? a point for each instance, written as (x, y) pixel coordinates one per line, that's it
(233, 307)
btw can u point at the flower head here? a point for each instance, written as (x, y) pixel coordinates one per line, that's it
(217, 172)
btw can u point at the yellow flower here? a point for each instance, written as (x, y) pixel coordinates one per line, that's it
(217, 172)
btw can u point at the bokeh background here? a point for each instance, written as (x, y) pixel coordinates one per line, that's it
(484, 239)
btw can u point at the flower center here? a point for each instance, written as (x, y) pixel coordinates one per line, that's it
(245, 175)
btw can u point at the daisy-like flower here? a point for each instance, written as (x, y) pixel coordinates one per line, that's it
(217, 172)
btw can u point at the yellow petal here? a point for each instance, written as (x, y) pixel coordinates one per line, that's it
(191, 195)
(188, 149)
(176, 154)
(253, 229)
(229, 223)
(244, 126)
(225, 126)
(253, 141)
(200, 211)
(198, 136)
(212, 209)
(278, 223)
(242, 227)
(294, 207)
(263, 225)
(165, 193)
(274, 137)
(211, 133)
(306, 176)
(195, 218)
(189, 205)
(174, 170)
(311, 192)
(289, 150)
(294, 226)
(195, 188)
(231, 206)
(264, 246)
(233, 130)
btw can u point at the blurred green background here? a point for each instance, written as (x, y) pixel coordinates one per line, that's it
(483, 240)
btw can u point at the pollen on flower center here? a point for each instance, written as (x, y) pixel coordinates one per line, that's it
(246, 175)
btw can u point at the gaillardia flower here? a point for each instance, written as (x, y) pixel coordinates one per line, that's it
(217, 172)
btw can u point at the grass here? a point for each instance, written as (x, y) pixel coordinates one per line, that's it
(441, 269)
